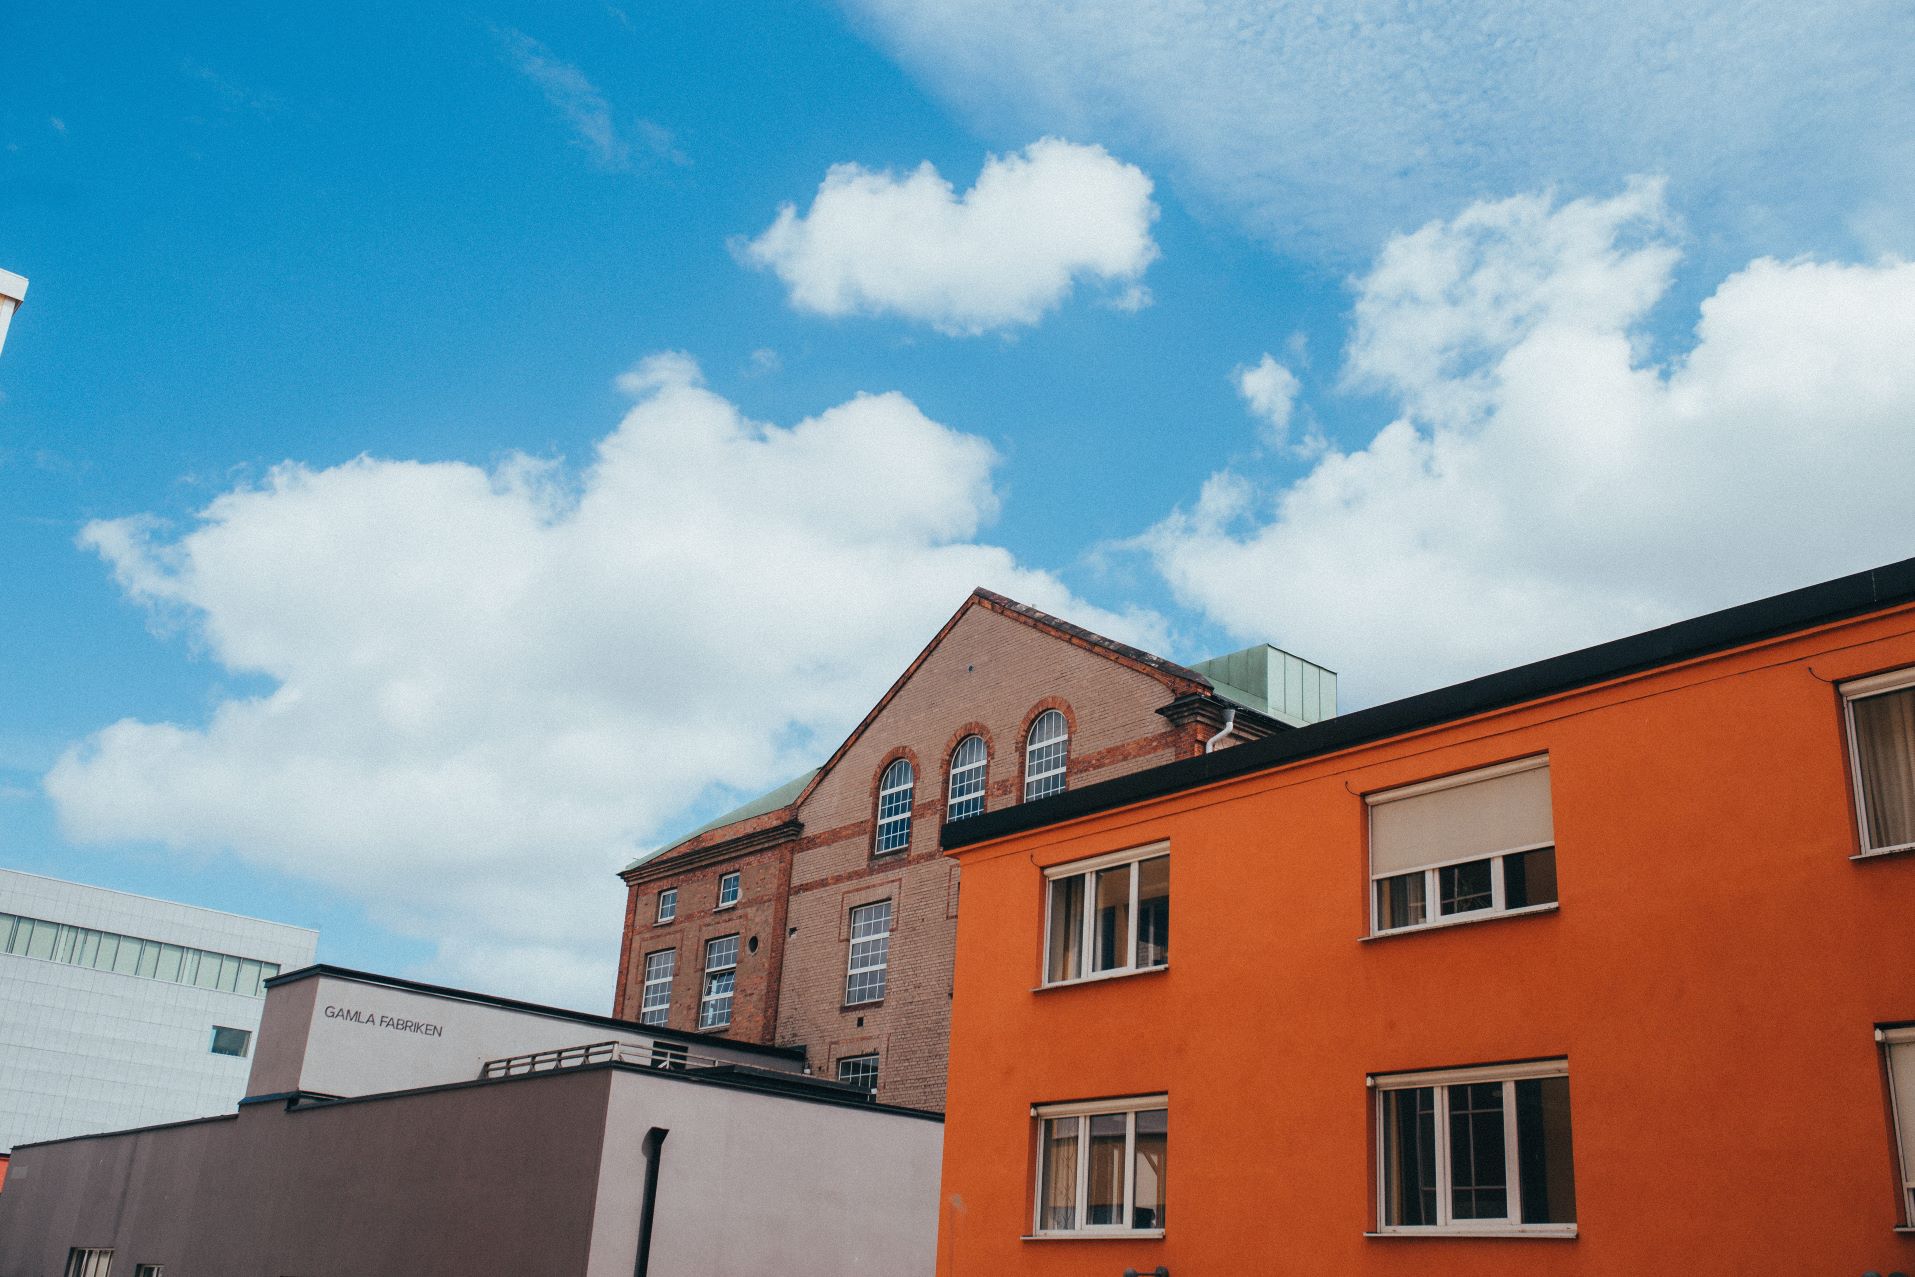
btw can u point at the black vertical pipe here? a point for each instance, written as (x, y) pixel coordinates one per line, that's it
(654, 1154)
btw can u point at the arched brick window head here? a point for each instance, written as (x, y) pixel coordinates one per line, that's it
(1046, 755)
(970, 763)
(894, 807)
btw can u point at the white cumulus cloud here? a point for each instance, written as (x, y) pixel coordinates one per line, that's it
(487, 688)
(1547, 483)
(1335, 122)
(1269, 390)
(998, 256)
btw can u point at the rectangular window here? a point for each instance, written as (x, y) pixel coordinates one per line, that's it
(671, 1056)
(728, 891)
(1898, 1046)
(870, 953)
(81, 1262)
(231, 1041)
(1108, 916)
(721, 973)
(668, 904)
(1474, 1150)
(860, 1071)
(655, 997)
(1881, 725)
(1101, 1166)
(148, 1270)
(1462, 848)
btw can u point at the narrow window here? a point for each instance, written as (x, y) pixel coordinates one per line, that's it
(231, 1041)
(83, 1262)
(1108, 916)
(894, 807)
(860, 1071)
(1462, 848)
(728, 891)
(148, 1270)
(1101, 1167)
(1046, 756)
(870, 953)
(1881, 718)
(655, 998)
(1899, 1047)
(721, 972)
(970, 762)
(668, 904)
(1476, 1149)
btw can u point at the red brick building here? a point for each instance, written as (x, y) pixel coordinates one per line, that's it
(823, 914)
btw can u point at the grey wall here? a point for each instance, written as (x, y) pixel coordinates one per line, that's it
(755, 1183)
(383, 1050)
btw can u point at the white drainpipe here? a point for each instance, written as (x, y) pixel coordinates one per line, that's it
(1229, 725)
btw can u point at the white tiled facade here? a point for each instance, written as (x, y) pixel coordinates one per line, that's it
(84, 1050)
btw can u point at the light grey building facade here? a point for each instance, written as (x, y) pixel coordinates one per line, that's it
(119, 1010)
(392, 1127)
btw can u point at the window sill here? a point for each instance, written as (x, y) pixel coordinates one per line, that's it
(1876, 853)
(873, 1005)
(1101, 977)
(1099, 1235)
(665, 922)
(1545, 1232)
(724, 908)
(1462, 920)
(1906, 1229)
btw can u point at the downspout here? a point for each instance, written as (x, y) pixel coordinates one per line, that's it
(1229, 725)
(654, 1147)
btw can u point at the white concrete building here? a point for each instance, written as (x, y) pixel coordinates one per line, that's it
(119, 1010)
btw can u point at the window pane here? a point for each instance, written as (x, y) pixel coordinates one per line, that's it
(1885, 755)
(870, 951)
(728, 890)
(1067, 928)
(1046, 756)
(87, 952)
(228, 973)
(230, 1041)
(668, 904)
(1400, 901)
(1409, 1157)
(1464, 888)
(126, 960)
(40, 943)
(1529, 878)
(169, 963)
(1153, 912)
(1110, 927)
(150, 958)
(249, 976)
(860, 1071)
(1153, 1145)
(1105, 1204)
(1479, 1179)
(969, 763)
(655, 996)
(894, 807)
(1058, 1192)
(63, 947)
(1543, 1155)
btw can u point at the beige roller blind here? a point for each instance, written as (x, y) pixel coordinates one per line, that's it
(1471, 818)
(1901, 1072)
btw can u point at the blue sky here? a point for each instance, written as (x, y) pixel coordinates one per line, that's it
(319, 477)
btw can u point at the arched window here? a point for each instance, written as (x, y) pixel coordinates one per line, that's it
(894, 807)
(969, 763)
(1046, 754)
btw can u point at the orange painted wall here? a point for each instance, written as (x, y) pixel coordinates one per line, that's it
(1713, 976)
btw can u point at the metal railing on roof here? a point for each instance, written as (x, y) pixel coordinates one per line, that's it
(657, 1053)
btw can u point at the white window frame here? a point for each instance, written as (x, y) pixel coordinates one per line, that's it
(1088, 869)
(667, 905)
(657, 1010)
(732, 882)
(852, 968)
(1853, 691)
(1130, 1106)
(964, 772)
(1902, 1036)
(1039, 781)
(1432, 876)
(89, 1261)
(707, 999)
(900, 820)
(859, 1059)
(1507, 1074)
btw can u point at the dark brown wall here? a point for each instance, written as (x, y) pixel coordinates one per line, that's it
(447, 1181)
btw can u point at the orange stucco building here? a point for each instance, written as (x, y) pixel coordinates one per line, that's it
(1605, 964)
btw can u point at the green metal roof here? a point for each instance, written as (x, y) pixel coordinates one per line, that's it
(772, 801)
(1272, 681)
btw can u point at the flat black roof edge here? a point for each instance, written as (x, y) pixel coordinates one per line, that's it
(1876, 589)
(126, 1130)
(513, 1004)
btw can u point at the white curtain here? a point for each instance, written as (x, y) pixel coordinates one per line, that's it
(1885, 744)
